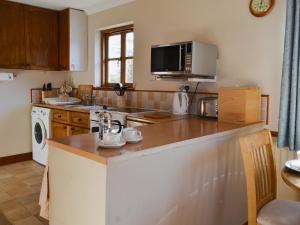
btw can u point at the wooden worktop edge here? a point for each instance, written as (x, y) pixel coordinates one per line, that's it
(61, 108)
(78, 152)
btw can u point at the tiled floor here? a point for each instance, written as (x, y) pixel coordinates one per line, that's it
(19, 194)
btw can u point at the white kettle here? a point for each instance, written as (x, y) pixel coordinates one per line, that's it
(180, 103)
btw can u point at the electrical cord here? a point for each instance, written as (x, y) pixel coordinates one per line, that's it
(192, 98)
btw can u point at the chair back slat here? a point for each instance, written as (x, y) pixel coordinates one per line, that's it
(258, 155)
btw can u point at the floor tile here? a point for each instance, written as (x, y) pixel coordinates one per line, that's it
(4, 220)
(17, 213)
(28, 221)
(20, 185)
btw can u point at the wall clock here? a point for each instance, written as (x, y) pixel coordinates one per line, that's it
(260, 8)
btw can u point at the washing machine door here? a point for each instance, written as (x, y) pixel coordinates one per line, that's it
(39, 133)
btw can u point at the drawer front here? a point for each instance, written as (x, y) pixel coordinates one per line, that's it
(78, 130)
(60, 116)
(80, 119)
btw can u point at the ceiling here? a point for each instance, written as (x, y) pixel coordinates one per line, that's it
(90, 6)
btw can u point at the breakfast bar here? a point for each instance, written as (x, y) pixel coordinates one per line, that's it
(182, 172)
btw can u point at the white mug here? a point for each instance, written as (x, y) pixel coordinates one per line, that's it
(131, 134)
(298, 155)
(111, 138)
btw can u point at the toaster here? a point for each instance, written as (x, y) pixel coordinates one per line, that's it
(208, 107)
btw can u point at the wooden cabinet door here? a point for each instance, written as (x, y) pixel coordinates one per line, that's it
(78, 130)
(59, 130)
(41, 36)
(12, 51)
(64, 39)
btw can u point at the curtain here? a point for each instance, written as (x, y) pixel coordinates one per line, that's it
(289, 118)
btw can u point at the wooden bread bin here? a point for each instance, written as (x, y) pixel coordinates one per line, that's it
(240, 105)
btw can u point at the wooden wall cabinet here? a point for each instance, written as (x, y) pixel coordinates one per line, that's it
(41, 36)
(67, 123)
(73, 40)
(36, 38)
(12, 39)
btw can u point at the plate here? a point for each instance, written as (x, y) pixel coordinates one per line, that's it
(138, 139)
(114, 145)
(290, 164)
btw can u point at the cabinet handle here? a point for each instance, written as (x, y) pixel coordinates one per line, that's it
(59, 116)
(65, 127)
(72, 129)
(79, 119)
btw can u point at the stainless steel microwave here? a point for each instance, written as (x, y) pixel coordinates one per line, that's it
(184, 59)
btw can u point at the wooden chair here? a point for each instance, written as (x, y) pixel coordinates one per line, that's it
(263, 207)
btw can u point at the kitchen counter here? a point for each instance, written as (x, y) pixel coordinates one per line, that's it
(155, 135)
(182, 172)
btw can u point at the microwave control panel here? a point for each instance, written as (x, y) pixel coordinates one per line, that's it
(188, 57)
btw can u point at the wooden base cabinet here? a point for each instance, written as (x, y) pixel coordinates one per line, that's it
(59, 130)
(67, 123)
(77, 130)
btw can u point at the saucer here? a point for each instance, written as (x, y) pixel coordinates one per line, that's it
(135, 140)
(119, 144)
(293, 165)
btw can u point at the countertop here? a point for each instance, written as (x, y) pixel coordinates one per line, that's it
(155, 135)
(60, 107)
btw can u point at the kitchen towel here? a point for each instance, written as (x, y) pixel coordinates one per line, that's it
(44, 195)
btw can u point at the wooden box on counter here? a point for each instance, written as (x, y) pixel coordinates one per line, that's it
(240, 105)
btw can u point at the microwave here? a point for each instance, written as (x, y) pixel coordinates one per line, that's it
(187, 59)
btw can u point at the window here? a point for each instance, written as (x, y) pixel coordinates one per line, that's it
(117, 56)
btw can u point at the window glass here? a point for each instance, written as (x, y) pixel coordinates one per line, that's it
(114, 71)
(114, 46)
(129, 44)
(129, 71)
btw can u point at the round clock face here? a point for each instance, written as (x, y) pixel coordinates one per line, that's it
(261, 8)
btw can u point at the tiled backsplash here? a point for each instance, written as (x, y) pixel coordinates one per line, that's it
(159, 100)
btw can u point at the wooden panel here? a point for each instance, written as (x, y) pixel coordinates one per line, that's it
(41, 35)
(77, 130)
(59, 130)
(80, 119)
(12, 53)
(15, 158)
(60, 116)
(239, 105)
(64, 39)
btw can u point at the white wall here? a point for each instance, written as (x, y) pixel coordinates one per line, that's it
(15, 108)
(251, 48)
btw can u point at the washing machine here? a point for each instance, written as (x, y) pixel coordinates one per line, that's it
(41, 131)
